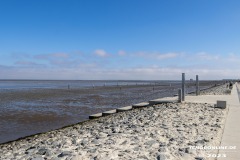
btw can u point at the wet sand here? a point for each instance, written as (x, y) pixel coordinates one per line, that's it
(164, 131)
(30, 111)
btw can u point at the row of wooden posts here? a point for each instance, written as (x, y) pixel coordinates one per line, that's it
(181, 92)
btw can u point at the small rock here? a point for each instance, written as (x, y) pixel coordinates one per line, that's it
(185, 150)
(162, 149)
(95, 141)
(84, 143)
(102, 135)
(92, 150)
(143, 157)
(123, 143)
(200, 141)
(181, 129)
(162, 144)
(115, 130)
(30, 148)
(42, 151)
(64, 153)
(216, 125)
(37, 158)
(150, 143)
(161, 157)
(206, 140)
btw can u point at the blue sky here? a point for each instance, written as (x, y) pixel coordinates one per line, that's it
(119, 39)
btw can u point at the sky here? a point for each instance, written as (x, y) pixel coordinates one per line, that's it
(119, 39)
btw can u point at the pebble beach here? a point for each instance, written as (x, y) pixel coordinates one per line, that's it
(163, 132)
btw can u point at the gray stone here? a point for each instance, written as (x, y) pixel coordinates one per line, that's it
(64, 153)
(150, 143)
(29, 151)
(162, 144)
(102, 135)
(161, 157)
(200, 141)
(185, 150)
(116, 130)
(84, 143)
(42, 151)
(127, 108)
(216, 125)
(136, 149)
(38, 158)
(92, 150)
(162, 150)
(139, 105)
(120, 154)
(144, 157)
(95, 116)
(180, 129)
(221, 104)
(123, 143)
(109, 112)
(95, 141)
(30, 148)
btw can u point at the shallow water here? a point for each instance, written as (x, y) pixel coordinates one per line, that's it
(30, 107)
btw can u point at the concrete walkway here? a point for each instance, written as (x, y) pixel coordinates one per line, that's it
(231, 134)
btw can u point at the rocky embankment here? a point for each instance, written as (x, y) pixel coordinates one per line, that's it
(162, 132)
(218, 90)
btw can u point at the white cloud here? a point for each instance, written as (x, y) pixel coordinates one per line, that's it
(101, 53)
(85, 66)
(60, 55)
(27, 63)
(96, 72)
(233, 58)
(207, 56)
(121, 53)
(167, 56)
(51, 56)
(156, 55)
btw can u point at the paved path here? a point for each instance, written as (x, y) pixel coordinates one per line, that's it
(238, 89)
(231, 134)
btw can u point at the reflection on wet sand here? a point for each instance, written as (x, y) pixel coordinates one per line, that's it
(30, 111)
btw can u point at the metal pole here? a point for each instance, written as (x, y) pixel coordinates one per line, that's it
(179, 95)
(197, 86)
(183, 86)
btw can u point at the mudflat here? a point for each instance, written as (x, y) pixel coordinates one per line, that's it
(165, 131)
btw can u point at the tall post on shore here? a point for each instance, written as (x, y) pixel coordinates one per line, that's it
(183, 86)
(197, 86)
(179, 95)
